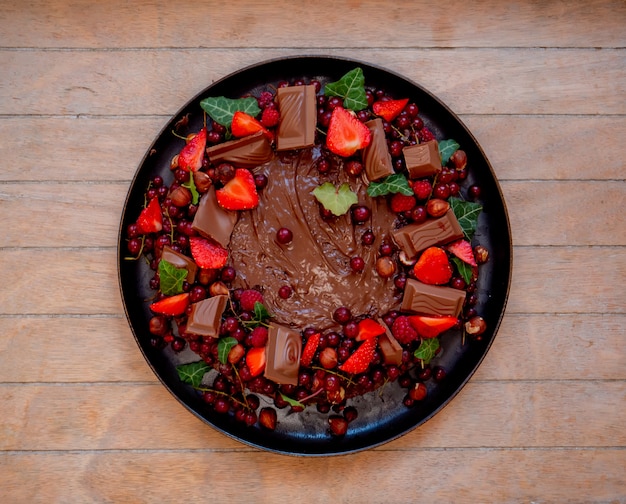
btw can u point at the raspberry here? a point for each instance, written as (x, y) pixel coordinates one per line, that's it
(421, 189)
(402, 330)
(270, 117)
(266, 99)
(425, 135)
(248, 298)
(258, 337)
(401, 203)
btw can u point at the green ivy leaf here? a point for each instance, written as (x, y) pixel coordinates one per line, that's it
(291, 402)
(222, 109)
(446, 149)
(171, 278)
(224, 346)
(464, 269)
(261, 314)
(427, 349)
(396, 183)
(351, 87)
(191, 185)
(338, 201)
(466, 213)
(192, 373)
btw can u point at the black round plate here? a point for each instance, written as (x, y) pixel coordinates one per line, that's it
(382, 416)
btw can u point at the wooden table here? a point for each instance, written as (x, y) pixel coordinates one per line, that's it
(84, 89)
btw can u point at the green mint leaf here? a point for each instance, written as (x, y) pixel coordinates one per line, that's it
(224, 345)
(191, 185)
(337, 201)
(291, 402)
(396, 183)
(464, 269)
(193, 373)
(351, 87)
(466, 213)
(222, 109)
(261, 314)
(427, 349)
(446, 149)
(171, 278)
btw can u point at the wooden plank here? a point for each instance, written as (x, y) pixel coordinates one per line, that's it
(577, 81)
(145, 416)
(330, 24)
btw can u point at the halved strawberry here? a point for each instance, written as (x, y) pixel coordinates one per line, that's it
(239, 193)
(433, 267)
(207, 254)
(463, 250)
(389, 109)
(362, 357)
(346, 134)
(369, 328)
(172, 305)
(150, 219)
(191, 155)
(308, 352)
(430, 326)
(244, 124)
(255, 360)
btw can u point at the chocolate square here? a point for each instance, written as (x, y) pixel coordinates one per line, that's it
(206, 316)
(422, 160)
(298, 117)
(376, 156)
(389, 346)
(212, 221)
(247, 152)
(417, 237)
(431, 299)
(283, 350)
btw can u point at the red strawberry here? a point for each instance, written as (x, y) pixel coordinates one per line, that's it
(430, 326)
(255, 360)
(191, 156)
(402, 330)
(402, 203)
(422, 189)
(308, 352)
(207, 254)
(369, 328)
(150, 219)
(172, 305)
(249, 298)
(433, 267)
(239, 193)
(360, 360)
(389, 109)
(270, 117)
(346, 134)
(463, 250)
(244, 124)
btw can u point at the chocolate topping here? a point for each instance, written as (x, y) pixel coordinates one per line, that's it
(432, 299)
(416, 237)
(180, 261)
(422, 160)
(376, 155)
(246, 152)
(206, 315)
(298, 117)
(283, 350)
(389, 346)
(212, 221)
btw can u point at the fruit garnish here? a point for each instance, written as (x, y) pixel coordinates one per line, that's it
(463, 250)
(446, 149)
(191, 155)
(430, 326)
(422, 189)
(346, 134)
(433, 267)
(244, 124)
(150, 219)
(396, 183)
(222, 109)
(336, 200)
(403, 331)
(207, 254)
(249, 298)
(362, 357)
(270, 117)
(239, 193)
(351, 88)
(400, 203)
(255, 360)
(466, 213)
(308, 352)
(389, 109)
(172, 305)
(368, 328)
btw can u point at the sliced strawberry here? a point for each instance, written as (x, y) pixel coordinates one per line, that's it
(308, 352)
(362, 357)
(150, 219)
(244, 124)
(346, 134)
(255, 360)
(191, 156)
(369, 328)
(463, 250)
(389, 109)
(239, 193)
(430, 326)
(172, 305)
(433, 267)
(207, 254)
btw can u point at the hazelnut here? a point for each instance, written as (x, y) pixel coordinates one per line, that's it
(218, 289)
(267, 418)
(224, 173)
(206, 276)
(459, 159)
(328, 358)
(236, 353)
(174, 163)
(437, 207)
(181, 196)
(475, 326)
(202, 181)
(385, 267)
(481, 254)
(337, 396)
(405, 259)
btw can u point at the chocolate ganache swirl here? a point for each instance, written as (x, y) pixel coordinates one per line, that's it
(316, 264)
